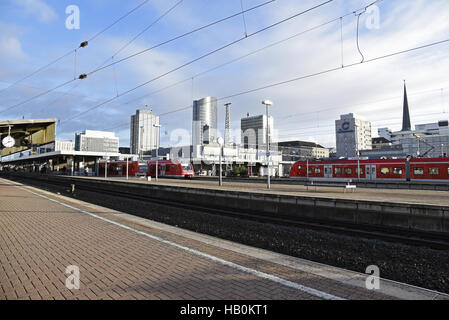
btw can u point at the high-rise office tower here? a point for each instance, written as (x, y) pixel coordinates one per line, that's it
(353, 133)
(144, 131)
(204, 127)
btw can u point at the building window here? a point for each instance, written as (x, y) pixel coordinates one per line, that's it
(338, 170)
(434, 171)
(385, 171)
(418, 171)
(348, 170)
(397, 170)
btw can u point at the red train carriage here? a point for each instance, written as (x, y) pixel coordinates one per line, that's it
(170, 168)
(118, 168)
(166, 168)
(416, 169)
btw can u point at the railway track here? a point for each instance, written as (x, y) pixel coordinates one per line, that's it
(425, 239)
(438, 186)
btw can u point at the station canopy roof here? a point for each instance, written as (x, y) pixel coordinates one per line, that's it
(27, 133)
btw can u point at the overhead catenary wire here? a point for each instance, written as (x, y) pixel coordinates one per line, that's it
(335, 69)
(118, 20)
(180, 36)
(199, 58)
(238, 58)
(315, 74)
(256, 51)
(243, 17)
(358, 46)
(84, 75)
(82, 45)
(123, 48)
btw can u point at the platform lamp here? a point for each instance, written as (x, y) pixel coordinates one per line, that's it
(268, 103)
(220, 143)
(157, 147)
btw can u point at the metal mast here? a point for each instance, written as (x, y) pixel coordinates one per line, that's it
(227, 124)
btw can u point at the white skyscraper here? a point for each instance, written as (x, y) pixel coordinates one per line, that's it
(353, 134)
(204, 127)
(144, 131)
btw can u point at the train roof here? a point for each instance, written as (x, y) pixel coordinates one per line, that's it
(401, 160)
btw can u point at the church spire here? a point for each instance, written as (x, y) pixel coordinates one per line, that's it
(406, 126)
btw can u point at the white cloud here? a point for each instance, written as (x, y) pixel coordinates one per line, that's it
(304, 109)
(38, 8)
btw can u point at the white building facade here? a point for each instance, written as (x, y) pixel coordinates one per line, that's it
(254, 132)
(96, 141)
(353, 134)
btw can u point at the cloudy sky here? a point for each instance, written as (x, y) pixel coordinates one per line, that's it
(34, 33)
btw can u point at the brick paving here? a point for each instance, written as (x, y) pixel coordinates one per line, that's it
(40, 238)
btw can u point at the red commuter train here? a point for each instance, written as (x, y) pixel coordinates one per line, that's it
(413, 169)
(166, 168)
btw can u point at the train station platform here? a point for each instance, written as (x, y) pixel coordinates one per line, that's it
(120, 256)
(401, 196)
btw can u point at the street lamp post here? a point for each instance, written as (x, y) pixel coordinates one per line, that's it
(157, 147)
(220, 143)
(127, 168)
(268, 103)
(106, 167)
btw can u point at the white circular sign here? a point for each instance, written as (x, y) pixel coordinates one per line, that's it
(220, 141)
(9, 142)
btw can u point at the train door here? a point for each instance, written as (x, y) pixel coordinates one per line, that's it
(407, 170)
(328, 171)
(370, 172)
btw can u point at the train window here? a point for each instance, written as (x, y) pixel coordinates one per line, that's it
(448, 170)
(187, 166)
(397, 170)
(337, 170)
(357, 170)
(385, 170)
(317, 170)
(418, 171)
(434, 171)
(348, 170)
(309, 171)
